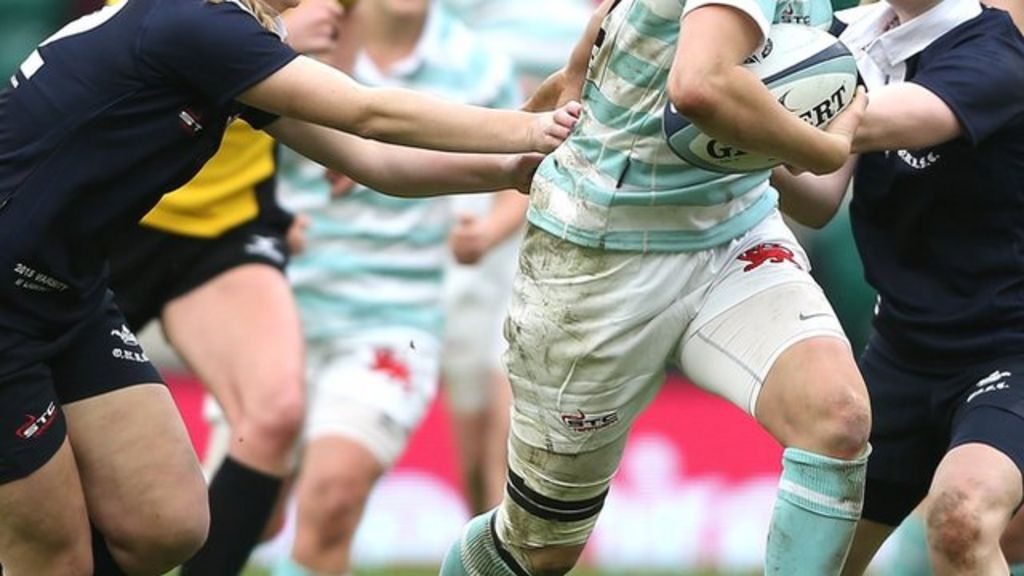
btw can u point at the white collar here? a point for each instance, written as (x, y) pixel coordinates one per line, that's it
(892, 46)
(428, 49)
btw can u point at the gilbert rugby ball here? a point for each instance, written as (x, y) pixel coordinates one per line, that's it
(811, 73)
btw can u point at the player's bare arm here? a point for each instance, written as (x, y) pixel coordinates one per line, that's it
(905, 116)
(566, 85)
(402, 171)
(709, 85)
(317, 93)
(809, 199)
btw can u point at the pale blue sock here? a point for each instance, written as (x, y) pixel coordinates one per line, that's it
(476, 552)
(1017, 570)
(911, 557)
(817, 509)
(285, 566)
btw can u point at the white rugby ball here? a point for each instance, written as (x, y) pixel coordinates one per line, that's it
(811, 73)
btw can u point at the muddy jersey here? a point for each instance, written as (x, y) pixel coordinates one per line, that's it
(615, 183)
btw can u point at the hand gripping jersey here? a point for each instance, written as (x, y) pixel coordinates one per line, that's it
(615, 183)
(113, 111)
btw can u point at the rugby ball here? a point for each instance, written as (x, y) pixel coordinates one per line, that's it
(812, 74)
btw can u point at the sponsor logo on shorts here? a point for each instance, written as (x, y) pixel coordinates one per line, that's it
(36, 425)
(386, 362)
(808, 316)
(266, 246)
(582, 422)
(991, 383)
(767, 252)
(128, 339)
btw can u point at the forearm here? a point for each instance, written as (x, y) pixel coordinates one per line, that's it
(735, 108)
(313, 92)
(415, 173)
(416, 119)
(508, 214)
(395, 170)
(812, 200)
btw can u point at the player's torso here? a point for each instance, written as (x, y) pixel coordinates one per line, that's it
(939, 230)
(615, 182)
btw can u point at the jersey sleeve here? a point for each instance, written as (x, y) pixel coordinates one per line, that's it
(981, 79)
(218, 49)
(762, 12)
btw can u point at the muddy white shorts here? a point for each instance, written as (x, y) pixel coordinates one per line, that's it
(591, 331)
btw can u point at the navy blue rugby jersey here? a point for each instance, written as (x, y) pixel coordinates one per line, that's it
(941, 230)
(106, 116)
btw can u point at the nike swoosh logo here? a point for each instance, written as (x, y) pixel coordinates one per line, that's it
(815, 315)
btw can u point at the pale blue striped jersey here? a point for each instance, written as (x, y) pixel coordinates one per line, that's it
(537, 34)
(377, 261)
(615, 183)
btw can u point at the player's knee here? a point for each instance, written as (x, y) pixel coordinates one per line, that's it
(144, 546)
(274, 426)
(844, 421)
(337, 504)
(956, 521)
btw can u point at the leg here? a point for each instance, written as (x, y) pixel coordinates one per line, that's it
(482, 437)
(334, 485)
(144, 489)
(975, 491)
(45, 528)
(240, 333)
(1012, 541)
(867, 539)
(368, 392)
(585, 355)
(768, 340)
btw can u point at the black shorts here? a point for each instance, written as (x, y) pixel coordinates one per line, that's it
(97, 356)
(152, 267)
(919, 414)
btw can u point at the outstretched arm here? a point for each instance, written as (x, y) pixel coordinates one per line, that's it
(812, 200)
(308, 90)
(401, 171)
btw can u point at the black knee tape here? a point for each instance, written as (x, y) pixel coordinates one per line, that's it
(549, 508)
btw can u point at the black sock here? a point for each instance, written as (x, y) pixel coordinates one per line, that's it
(241, 502)
(103, 563)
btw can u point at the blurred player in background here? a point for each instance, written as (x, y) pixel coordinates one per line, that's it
(635, 259)
(104, 117)
(938, 211)
(539, 35)
(208, 261)
(369, 285)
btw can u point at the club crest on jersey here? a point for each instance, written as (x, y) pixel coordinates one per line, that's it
(36, 425)
(190, 121)
(918, 160)
(767, 252)
(125, 335)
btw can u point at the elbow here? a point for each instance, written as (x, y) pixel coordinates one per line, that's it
(695, 94)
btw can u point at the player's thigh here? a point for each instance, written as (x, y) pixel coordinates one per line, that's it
(589, 332)
(139, 471)
(240, 332)
(763, 304)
